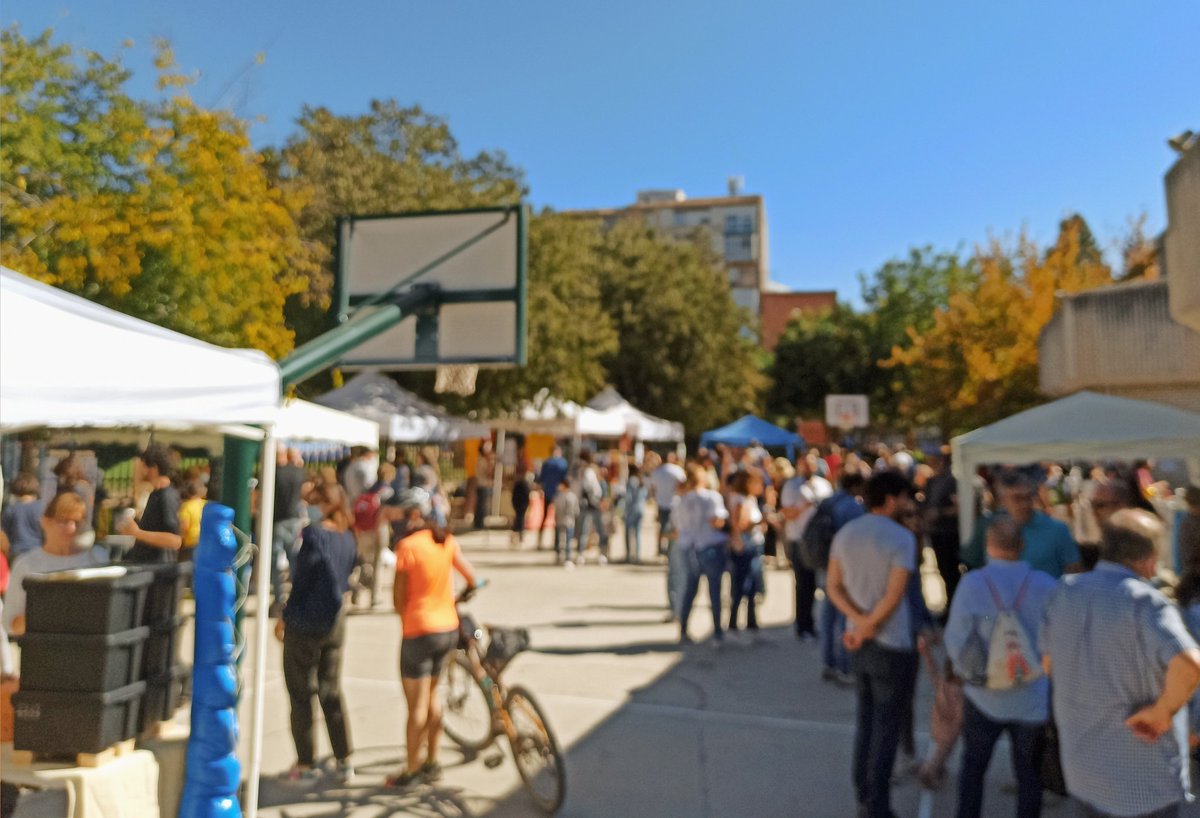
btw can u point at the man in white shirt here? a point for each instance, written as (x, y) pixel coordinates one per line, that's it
(665, 482)
(798, 501)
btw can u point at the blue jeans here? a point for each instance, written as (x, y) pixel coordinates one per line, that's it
(884, 679)
(745, 580)
(833, 626)
(563, 535)
(596, 517)
(664, 528)
(708, 563)
(676, 577)
(633, 538)
(980, 734)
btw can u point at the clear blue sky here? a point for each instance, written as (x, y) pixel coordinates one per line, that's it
(869, 126)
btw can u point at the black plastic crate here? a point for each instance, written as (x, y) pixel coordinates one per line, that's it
(86, 600)
(164, 695)
(60, 723)
(162, 648)
(166, 589)
(92, 663)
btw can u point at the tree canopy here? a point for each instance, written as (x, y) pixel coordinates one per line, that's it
(159, 208)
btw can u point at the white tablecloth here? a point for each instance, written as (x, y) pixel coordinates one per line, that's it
(126, 787)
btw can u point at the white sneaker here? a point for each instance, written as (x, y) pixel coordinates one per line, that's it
(580, 561)
(603, 560)
(568, 565)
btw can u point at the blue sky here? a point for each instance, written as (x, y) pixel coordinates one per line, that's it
(869, 126)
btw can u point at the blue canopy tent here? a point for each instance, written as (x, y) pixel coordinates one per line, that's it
(747, 429)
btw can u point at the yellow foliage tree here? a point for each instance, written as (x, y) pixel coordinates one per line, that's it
(160, 209)
(979, 361)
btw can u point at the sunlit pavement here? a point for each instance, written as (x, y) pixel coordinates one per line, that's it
(648, 729)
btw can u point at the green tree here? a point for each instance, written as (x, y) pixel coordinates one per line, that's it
(843, 351)
(157, 208)
(682, 353)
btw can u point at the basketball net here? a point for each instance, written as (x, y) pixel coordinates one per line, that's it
(458, 379)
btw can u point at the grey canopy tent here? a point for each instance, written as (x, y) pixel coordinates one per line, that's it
(402, 416)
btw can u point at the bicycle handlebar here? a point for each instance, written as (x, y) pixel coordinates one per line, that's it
(466, 593)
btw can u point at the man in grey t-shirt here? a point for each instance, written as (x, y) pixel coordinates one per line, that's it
(869, 566)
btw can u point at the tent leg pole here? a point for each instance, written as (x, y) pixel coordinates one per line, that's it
(266, 524)
(498, 474)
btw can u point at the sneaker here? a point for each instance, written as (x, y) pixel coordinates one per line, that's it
(828, 674)
(568, 565)
(603, 560)
(344, 771)
(431, 771)
(402, 780)
(302, 773)
(580, 561)
(844, 679)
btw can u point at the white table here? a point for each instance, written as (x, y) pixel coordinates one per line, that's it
(125, 787)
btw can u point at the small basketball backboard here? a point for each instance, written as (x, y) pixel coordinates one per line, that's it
(476, 262)
(847, 411)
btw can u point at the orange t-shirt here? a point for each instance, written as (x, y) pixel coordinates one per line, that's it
(429, 604)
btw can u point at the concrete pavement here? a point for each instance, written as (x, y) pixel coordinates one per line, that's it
(648, 729)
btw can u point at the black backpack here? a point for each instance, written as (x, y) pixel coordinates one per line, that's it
(817, 539)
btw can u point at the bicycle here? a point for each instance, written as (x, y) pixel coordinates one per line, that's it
(477, 707)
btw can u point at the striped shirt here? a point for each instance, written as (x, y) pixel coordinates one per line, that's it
(1109, 635)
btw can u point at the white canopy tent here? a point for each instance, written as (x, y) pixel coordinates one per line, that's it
(301, 420)
(70, 362)
(1084, 426)
(548, 415)
(50, 345)
(402, 417)
(640, 425)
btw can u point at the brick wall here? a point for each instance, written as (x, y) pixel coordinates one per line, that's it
(775, 310)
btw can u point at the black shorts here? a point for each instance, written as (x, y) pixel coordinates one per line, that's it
(423, 656)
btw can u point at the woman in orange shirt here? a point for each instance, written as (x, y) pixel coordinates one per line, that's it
(424, 597)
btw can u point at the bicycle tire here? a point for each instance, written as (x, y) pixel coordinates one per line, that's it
(535, 750)
(466, 706)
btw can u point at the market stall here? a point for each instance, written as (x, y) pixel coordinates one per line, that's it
(50, 342)
(748, 430)
(1084, 426)
(402, 417)
(638, 424)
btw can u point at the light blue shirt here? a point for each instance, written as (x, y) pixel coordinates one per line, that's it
(975, 608)
(868, 549)
(1109, 635)
(692, 515)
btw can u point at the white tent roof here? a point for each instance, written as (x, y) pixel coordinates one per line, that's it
(1084, 426)
(301, 420)
(65, 361)
(402, 416)
(639, 424)
(548, 415)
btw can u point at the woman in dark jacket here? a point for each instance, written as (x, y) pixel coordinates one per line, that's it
(312, 629)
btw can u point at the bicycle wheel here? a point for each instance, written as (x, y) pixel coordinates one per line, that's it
(539, 761)
(466, 707)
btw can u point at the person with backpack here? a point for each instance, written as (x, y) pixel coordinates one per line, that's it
(991, 638)
(798, 501)
(832, 513)
(312, 629)
(592, 504)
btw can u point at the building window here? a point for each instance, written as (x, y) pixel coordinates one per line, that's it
(739, 247)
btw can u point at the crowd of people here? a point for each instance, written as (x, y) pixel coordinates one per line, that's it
(1067, 620)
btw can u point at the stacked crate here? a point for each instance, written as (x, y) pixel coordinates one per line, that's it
(165, 676)
(81, 661)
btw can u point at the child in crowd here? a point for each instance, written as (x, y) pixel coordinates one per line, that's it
(22, 521)
(195, 495)
(566, 513)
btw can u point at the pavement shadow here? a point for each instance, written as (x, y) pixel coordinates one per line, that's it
(744, 728)
(623, 649)
(363, 795)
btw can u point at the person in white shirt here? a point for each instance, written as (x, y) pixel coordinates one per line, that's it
(61, 521)
(700, 516)
(665, 482)
(798, 500)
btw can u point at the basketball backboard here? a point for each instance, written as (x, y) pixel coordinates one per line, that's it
(474, 261)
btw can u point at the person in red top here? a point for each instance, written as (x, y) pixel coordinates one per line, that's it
(424, 597)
